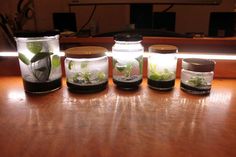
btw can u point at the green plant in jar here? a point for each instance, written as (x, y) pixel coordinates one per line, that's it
(164, 75)
(85, 76)
(197, 81)
(125, 69)
(40, 64)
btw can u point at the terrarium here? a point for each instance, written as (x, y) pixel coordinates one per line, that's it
(127, 61)
(197, 75)
(162, 62)
(86, 69)
(39, 60)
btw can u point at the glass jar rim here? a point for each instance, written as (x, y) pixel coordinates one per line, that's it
(128, 37)
(164, 49)
(35, 34)
(86, 52)
(198, 64)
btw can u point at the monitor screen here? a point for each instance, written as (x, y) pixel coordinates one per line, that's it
(64, 21)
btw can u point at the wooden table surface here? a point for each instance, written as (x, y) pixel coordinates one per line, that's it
(114, 123)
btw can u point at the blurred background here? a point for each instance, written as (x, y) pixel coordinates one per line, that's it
(95, 18)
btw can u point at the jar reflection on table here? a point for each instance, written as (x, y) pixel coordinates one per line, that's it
(39, 60)
(127, 61)
(162, 63)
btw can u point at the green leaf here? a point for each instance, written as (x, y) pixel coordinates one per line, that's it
(35, 47)
(70, 65)
(120, 68)
(152, 68)
(160, 76)
(40, 56)
(55, 61)
(128, 69)
(24, 59)
(154, 77)
(86, 76)
(75, 78)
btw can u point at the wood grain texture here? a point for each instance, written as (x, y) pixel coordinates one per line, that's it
(114, 123)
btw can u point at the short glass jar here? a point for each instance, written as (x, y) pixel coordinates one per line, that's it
(127, 61)
(162, 62)
(197, 75)
(86, 69)
(39, 60)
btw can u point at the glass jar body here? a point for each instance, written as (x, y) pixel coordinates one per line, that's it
(127, 64)
(40, 63)
(196, 82)
(86, 74)
(162, 71)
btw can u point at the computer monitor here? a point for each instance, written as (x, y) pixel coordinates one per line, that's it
(65, 21)
(164, 21)
(141, 15)
(222, 24)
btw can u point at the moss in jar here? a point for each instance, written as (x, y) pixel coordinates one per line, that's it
(160, 76)
(197, 81)
(85, 77)
(40, 64)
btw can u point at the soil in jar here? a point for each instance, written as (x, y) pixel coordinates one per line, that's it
(42, 87)
(86, 89)
(195, 90)
(131, 84)
(161, 85)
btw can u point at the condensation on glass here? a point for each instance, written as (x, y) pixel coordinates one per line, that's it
(86, 69)
(39, 60)
(162, 62)
(127, 61)
(197, 75)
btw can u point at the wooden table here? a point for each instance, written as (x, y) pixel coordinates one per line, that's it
(114, 123)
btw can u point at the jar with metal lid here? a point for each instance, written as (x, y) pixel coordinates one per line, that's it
(127, 61)
(162, 62)
(86, 69)
(39, 60)
(197, 75)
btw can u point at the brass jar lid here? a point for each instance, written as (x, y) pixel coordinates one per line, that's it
(198, 65)
(163, 49)
(86, 52)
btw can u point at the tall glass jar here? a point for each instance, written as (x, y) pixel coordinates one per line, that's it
(39, 60)
(86, 69)
(127, 61)
(197, 75)
(162, 67)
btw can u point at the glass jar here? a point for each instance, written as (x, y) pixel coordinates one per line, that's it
(162, 67)
(127, 61)
(197, 75)
(39, 60)
(86, 69)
